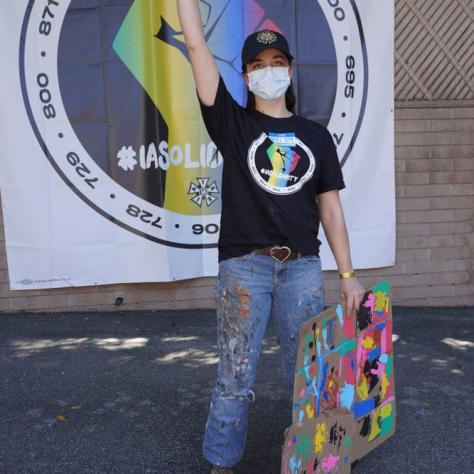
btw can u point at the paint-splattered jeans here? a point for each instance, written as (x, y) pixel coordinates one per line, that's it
(249, 289)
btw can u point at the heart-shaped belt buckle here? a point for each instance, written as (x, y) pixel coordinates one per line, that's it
(278, 249)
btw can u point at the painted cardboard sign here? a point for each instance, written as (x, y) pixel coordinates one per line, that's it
(326, 384)
(319, 446)
(374, 404)
(322, 334)
(345, 362)
(325, 373)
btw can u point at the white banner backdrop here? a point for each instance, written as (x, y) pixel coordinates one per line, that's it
(79, 172)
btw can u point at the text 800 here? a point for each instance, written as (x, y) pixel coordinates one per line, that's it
(45, 95)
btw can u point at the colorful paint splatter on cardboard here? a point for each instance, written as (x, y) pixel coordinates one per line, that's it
(319, 446)
(374, 404)
(325, 384)
(346, 362)
(322, 334)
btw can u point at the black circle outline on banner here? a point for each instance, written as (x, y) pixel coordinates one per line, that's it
(60, 171)
(101, 211)
(366, 84)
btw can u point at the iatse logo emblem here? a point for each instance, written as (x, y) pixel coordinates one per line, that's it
(109, 117)
(204, 192)
(266, 37)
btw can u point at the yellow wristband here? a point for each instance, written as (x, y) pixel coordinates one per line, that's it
(345, 275)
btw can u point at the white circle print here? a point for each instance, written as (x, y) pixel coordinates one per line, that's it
(263, 177)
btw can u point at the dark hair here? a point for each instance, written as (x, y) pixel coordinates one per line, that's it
(290, 99)
(290, 96)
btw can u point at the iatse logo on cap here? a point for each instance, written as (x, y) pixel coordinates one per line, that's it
(266, 37)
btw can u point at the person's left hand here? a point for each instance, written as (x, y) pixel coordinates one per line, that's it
(351, 292)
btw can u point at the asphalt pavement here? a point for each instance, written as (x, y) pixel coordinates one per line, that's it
(129, 393)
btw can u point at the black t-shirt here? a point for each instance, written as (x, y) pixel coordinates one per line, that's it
(273, 170)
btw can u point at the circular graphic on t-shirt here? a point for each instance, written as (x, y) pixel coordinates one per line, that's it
(280, 163)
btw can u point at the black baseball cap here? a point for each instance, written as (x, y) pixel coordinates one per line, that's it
(262, 40)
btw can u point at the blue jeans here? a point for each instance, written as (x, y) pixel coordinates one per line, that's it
(249, 289)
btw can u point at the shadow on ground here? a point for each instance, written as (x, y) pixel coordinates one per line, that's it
(129, 393)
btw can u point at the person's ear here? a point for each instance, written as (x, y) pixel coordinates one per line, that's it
(290, 71)
(245, 77)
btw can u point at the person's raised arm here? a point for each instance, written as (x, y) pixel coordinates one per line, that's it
(206, 74)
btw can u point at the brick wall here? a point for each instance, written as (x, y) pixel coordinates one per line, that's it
(434, 160)
(435, 230)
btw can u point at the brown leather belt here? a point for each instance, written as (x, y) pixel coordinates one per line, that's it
(280, 254)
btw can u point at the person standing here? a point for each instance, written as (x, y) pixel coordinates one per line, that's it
(281, 179)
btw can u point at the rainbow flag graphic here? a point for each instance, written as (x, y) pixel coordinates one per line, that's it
(150, 43)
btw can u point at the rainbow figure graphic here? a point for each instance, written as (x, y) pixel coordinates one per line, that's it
(150, 43)
(284, 160)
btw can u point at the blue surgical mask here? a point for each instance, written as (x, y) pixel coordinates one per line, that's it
(269, 83)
